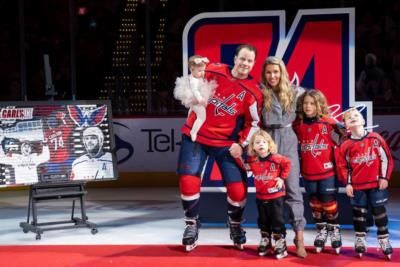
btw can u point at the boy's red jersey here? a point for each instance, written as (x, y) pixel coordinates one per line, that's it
(317, 147)
(361, 162)
(265, 170)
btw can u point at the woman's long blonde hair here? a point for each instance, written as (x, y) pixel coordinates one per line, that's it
(284, 90)
(320, 102)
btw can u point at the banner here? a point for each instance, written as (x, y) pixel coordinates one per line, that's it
(152, 144)
(390, 131)
(148, 144)
(314, 60)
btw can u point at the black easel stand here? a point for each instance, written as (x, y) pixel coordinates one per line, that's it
(50, 192)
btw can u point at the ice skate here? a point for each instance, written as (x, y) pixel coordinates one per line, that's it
(322, 236)
(335, 236)
(385, 245)
(280, 249)
(237, 234)
(265, 247)
(191, 234)
(360, 244)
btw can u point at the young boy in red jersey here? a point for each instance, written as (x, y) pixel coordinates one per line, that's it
(269, 171)
(365, 166)
(318, 136)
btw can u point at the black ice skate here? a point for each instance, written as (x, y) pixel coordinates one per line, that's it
(280, 249)
(265, 246)
(360, 243)
(191, 234)
(322, 236)
(385, 245)
(335, 236)
(237, 234)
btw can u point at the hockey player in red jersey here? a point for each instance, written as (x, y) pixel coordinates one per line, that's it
(269, 171)
(232, 115)
(318, 135)
(57, 134)
(365, 166)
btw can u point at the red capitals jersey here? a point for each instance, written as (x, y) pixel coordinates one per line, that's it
(265, 170)
(317, 145)
(361, 162)
(232, 113)
(57, 138)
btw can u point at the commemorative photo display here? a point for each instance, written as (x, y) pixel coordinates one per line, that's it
(60, 142)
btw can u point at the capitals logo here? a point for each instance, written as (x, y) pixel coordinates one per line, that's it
(366, 158)
(87, 115)
(221, 105)
(315, 148)
(314, 60)
(263, 178)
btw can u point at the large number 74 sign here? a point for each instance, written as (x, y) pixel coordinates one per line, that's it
(318, 49)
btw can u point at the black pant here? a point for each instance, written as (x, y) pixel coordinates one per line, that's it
(270, 216)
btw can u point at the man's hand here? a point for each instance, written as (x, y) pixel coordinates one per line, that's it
(236, 150)
(383, 184)
(349, 190)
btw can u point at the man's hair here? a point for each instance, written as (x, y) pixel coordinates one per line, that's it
(247, 46)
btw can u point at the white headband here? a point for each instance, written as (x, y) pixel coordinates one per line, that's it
(200, 60)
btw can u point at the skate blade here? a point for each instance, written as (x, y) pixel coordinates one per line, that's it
(281, 256)
(337, 250)
(389, 257)
(239, 246)
(267, 252)
(318, 249)
(191, 247)
(360, 255)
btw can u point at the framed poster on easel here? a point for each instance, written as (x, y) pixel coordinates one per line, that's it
(56, 148)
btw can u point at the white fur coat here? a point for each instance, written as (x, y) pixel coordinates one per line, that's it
(190, 90)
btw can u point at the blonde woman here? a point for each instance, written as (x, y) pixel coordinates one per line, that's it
(278, 114)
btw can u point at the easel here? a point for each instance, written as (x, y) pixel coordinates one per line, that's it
(50, 192)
